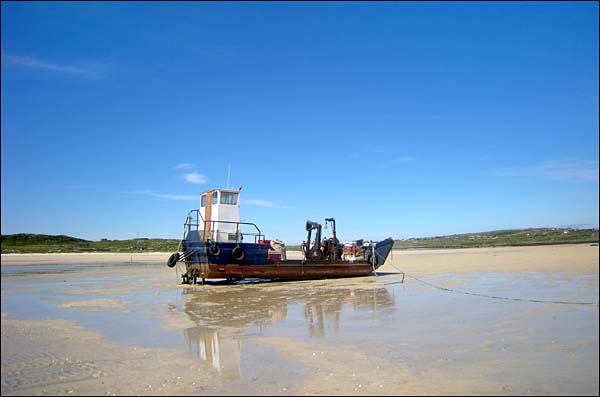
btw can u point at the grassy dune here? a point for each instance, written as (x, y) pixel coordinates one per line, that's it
(41, 243)
(499, 238)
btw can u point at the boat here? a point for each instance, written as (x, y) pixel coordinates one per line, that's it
(217, 245)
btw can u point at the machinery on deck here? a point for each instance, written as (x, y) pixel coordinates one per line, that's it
(325, 249)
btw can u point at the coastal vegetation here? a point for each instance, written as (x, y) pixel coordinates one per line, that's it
(498, 238)
(41, 243)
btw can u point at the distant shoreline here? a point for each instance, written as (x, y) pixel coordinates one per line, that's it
(296, 248)
(416, 247)
(27, 243)
(88, 253)
(66, 258)
(498, 245)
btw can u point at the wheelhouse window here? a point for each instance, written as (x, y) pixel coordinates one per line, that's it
(215, 197)
(203, 200)
(229, 198)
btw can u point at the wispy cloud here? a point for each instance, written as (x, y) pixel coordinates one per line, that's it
(85, 69)
(184, 166)
(195, 178)
(574, 170)
(263, 203)
(177, 197)
(154, 193)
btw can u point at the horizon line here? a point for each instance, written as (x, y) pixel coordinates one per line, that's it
(573, 226)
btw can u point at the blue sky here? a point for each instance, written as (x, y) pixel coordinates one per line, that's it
(398, 119)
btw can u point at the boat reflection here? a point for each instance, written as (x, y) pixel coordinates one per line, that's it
(216, 350)
(223, 314)
(324, 314)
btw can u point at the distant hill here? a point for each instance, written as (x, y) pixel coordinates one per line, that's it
(516, 237)
(42, 243)
(36, 239)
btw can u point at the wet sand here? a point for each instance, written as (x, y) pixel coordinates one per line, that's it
(112, 324)
(569, 258)
(73, 258)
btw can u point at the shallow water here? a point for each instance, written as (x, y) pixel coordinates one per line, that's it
(234, 331)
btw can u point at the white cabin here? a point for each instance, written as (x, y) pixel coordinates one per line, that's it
(217, 207)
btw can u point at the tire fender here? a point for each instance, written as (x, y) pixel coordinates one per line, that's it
(214, 249)
(238, 253)
(173, 259)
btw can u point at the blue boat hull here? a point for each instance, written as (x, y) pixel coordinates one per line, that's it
(217, 260)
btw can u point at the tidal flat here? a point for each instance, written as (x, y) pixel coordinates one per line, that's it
(121, 324)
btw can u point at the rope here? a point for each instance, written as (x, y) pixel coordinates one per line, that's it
(187, 253)
(490, 296)
(373, 253)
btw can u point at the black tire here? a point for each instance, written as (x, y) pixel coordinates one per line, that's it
(173, 259)
(214, 249)
(238, 253)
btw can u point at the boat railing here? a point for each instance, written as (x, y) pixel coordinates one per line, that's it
(194, 222)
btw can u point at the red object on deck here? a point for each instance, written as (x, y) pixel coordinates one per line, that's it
(349, 248)
(274, 256)
(265, 242)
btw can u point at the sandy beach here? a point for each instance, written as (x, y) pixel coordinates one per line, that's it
(92, 257)
(568, 258)
(113, 324)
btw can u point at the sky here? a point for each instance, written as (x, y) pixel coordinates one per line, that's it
(398, 119)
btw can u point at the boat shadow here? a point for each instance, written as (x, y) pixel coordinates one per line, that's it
(271, 281)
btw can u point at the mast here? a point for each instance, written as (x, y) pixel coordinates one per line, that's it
(228, 173)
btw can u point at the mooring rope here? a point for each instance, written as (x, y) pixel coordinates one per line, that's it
(488, 296)
(187, 253)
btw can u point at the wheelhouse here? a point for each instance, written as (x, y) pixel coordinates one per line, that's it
(218, 219)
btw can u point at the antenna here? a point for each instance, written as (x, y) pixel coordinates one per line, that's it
(228, 173)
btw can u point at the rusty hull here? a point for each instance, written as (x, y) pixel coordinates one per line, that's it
(288, 270)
